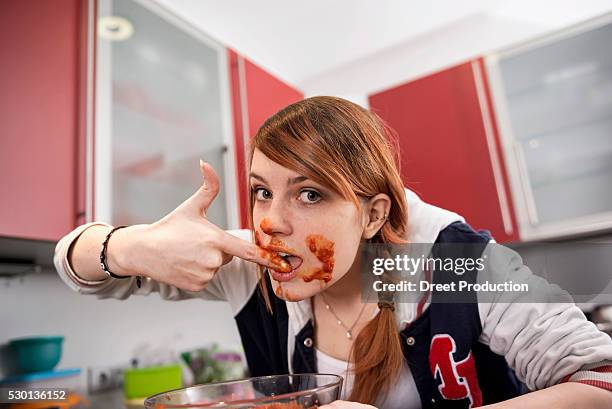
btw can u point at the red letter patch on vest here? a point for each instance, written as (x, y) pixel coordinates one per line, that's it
(458, 380)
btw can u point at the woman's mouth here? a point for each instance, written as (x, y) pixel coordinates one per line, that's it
(294, 260)
(295, 263)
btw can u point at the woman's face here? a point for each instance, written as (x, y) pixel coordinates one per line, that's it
(311, 226)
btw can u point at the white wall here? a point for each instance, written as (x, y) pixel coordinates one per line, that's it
(106, 332)
(451, 44)
(352, 48)
(299, 41)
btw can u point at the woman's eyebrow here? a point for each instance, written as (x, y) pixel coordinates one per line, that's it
(296, 179)
(291, 181)
(256, 176)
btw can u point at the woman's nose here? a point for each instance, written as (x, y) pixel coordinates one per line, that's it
(275, 225)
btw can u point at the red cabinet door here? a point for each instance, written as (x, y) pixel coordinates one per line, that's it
(449, 147)
(256, 95)
(39, 50)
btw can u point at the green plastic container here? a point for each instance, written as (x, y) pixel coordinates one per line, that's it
(145, 382)
(37, 354)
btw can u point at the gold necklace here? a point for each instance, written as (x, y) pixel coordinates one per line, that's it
(349, 331)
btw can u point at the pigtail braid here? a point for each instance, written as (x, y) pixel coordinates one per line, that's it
(377, 352)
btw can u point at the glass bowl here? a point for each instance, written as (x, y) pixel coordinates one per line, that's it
(301, 391)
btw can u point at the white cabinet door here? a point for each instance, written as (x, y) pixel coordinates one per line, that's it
(553, 99)
(162, 103)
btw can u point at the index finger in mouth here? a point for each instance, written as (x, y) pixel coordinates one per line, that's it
(251, 252)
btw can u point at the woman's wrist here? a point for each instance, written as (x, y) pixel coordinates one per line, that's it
(122, 249)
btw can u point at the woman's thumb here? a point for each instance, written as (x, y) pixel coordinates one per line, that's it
(205, 195)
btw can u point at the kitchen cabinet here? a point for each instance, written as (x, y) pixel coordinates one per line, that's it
(553, 99)
(41, 71)
(256, 95)
(162, 102)
(160, 107)
(449, 148)
(105, 117)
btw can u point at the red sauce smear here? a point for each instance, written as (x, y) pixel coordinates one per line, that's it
(280, 263)
(284, 293)
(266, 225)
(275, 245)
(323, 249)
(257, 238)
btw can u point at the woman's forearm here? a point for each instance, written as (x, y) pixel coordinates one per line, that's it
(569, 395)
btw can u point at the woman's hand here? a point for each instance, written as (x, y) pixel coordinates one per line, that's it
(184, 248)
(344, 404)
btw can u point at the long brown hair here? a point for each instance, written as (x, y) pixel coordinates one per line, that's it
(350, 150)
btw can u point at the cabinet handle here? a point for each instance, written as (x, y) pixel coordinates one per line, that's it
(532, 212)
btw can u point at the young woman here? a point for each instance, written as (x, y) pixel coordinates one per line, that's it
(324, 181)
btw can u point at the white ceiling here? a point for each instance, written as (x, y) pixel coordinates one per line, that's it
(300, 40)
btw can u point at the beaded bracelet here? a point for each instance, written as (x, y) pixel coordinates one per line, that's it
(103, 254)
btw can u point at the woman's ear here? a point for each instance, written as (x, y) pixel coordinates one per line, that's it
(376, 212)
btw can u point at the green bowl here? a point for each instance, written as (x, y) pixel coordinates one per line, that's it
(143, 382)
(37, 354)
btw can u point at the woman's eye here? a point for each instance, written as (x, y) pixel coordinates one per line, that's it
(310, 196)
(262, 194)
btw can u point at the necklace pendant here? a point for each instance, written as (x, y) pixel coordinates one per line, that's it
(349, 335)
